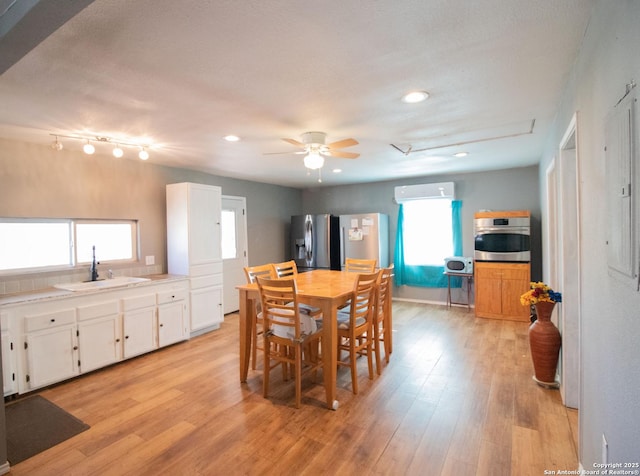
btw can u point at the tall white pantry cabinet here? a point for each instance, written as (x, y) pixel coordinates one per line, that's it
(194, 249)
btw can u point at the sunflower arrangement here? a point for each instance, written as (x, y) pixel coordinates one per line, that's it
(539, 292)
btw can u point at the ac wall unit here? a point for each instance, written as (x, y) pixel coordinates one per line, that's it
(426, 190)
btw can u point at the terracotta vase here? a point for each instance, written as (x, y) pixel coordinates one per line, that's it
(545, 342)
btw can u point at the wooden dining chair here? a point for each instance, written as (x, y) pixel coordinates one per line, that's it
(290, 337)
(289, 269)
(252, 273)
(355, 334)
(382, 317)
(354, 265)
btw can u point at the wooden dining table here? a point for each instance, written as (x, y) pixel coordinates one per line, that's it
(327, 290)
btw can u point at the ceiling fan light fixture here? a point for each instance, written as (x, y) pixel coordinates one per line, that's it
(143, 154)
(57, 145)
(313, 160)
(117, 151)
(415, 97)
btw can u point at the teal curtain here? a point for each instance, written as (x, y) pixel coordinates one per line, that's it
(427, 276)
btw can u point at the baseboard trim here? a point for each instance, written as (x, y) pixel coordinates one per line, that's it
(5, 468)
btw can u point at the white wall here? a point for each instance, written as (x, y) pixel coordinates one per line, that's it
(36, 181)
(610, 322)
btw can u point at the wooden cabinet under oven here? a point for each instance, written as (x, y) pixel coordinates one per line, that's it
(498, 290)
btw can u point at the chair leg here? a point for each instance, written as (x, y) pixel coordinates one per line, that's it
(298, 373)
(370, 358)
(376, 347)
(254, 347)
(354, 372)
(266, 345)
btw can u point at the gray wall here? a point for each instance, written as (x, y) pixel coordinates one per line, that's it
(609, 319)
(512, 189)
(36, 181)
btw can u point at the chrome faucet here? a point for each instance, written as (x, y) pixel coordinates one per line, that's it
(94, 266)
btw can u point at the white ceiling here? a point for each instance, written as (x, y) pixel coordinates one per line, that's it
(185, 74)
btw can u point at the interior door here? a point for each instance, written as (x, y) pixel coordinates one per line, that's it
(234, 249)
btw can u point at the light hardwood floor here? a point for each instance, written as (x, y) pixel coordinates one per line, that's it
(457, 398)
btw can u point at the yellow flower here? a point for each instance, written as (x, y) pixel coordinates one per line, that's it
(539, 292)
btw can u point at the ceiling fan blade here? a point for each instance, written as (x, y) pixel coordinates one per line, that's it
(342, 143)
(342, 154)
(296, 152)
(295, 142)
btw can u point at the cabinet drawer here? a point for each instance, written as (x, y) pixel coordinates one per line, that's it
(172, 296)
(206, 281)
(506, 271)
(205, 269)
(97, 310)
(49, 320)
(138, 302)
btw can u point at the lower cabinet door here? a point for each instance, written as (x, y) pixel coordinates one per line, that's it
(139, 332)
(100, 343)
(206, 307)
(52, 356)
(10, 381)
(172, 325)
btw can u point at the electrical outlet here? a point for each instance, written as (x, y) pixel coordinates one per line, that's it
(605, 450)
(150, 260)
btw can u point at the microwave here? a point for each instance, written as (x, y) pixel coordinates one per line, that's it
(458, 264)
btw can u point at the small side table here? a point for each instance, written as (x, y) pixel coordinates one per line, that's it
(469, 278)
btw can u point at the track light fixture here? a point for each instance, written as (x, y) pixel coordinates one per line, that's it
(89, 148)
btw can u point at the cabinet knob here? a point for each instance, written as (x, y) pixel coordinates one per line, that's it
(126, 337)
(53, 320)
(117, 340)
(75, 347)
(161, 325)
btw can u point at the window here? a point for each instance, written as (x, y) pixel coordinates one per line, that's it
(113, 241)
(39, 244)
(34, 244)
(229, 249)
(428, 232)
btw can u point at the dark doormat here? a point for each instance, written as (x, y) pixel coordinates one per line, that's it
(34, 424)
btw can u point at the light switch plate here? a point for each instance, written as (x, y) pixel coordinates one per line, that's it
(150, 260)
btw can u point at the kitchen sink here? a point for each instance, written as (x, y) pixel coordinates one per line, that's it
(101, 284)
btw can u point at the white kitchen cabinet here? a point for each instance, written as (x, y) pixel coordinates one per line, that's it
(9, 368)
(56, 337)
(51, 348)
(99, 335)
(173, 325)
(139, 325)
(194, 249)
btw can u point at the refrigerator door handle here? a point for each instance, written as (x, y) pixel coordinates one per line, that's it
(308, 241)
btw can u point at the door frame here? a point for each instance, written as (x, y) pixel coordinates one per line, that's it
(568, 268)
(242, 245)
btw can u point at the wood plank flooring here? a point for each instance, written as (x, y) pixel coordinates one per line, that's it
(456, 398)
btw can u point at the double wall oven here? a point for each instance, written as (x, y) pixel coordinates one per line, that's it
(502, 237)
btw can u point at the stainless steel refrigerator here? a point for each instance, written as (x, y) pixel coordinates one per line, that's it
(315, 241)
(365, 236)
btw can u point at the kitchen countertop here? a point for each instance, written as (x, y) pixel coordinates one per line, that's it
(55, 293)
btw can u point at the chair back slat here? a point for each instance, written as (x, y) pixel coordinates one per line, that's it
(285, 269)
(354, 265)
(263, 271)
(363, 300)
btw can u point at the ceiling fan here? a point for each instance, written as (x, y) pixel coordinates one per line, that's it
(315, 147)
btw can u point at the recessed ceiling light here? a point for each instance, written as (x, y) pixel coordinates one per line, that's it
(231, 138)
(415, 96)
(336, 171)
(461, 154)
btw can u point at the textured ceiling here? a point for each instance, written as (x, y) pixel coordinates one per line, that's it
(185, 74)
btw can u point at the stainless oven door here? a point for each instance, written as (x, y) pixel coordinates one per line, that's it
(502, 244)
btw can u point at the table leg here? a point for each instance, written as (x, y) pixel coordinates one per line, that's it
(247, 320)
(330, 352)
